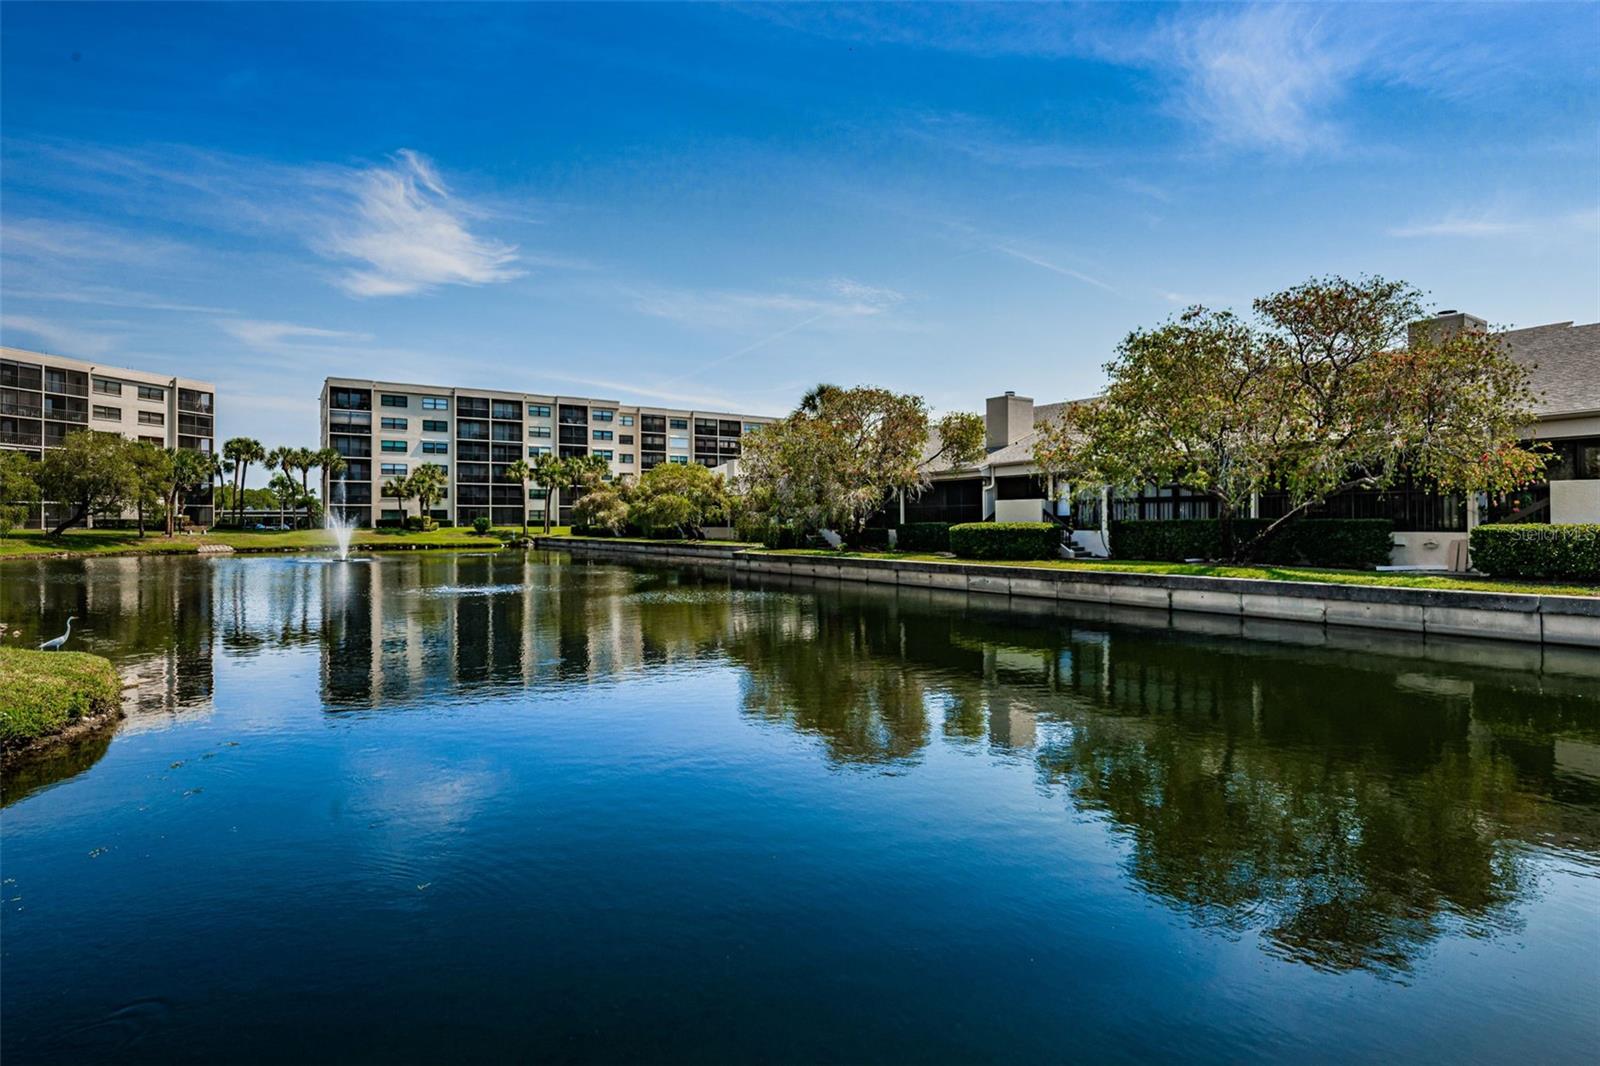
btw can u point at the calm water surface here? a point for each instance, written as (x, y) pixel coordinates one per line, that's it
(511, 807)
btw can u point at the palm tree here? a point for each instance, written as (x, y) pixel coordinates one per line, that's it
(428, 483)
(216, 471)
(305, 461)
(333, 464)
(579, 472)
(281, 459)
(402, 489)
(522, 473)
(547, 472)
(241, 452)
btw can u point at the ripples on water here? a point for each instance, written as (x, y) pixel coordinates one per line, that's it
(502, 807)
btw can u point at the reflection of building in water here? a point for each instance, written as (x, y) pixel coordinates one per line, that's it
(155, 617)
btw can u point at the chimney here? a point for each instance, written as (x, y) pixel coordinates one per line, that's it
(1006, 419)
(1442, 326)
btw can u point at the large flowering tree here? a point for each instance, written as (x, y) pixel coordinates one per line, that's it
(844, 452)
(1328, 389)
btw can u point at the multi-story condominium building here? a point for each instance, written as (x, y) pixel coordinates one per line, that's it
(387, 429)
(45, 397)
(1563, 364)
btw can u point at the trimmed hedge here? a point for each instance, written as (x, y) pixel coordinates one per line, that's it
(1532, 550)
(1006, 540)
(923, 537)
(1340, 543)
(869, 540)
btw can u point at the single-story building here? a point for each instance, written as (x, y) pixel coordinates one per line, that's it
(1563, 363)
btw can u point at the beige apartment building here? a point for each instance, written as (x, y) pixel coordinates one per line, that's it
(386, 430)
(45, 397)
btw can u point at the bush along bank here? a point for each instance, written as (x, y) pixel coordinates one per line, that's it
(45, 694)
(1005, 540)
(1537, 551)
(1337, 543)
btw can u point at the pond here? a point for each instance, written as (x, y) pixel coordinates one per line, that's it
(506, 807)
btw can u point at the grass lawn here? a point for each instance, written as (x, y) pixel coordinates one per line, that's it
(1260, 573)
(43, 692)
(127, 542)
(566, 532)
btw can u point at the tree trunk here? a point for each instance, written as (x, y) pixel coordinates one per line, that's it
(77, 517)
(139, 507)
(305, 490)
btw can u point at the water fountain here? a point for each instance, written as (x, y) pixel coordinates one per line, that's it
(338, 522)
(343, 529)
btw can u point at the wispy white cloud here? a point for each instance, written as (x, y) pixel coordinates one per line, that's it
(57, 337)
(410, 234)
(1260, 76)
(260, 334)
(1500, 223)
(388, 228)
(1055, 268)
(109, 296)
(724, 309)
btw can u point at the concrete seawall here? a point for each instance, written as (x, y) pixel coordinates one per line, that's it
(1556, 620)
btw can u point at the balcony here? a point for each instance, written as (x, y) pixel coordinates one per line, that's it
(24, 410)
(25, 440)
(194, 402)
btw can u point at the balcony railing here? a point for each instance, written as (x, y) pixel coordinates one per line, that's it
(26, 410)
(66, 388)
(25, 439)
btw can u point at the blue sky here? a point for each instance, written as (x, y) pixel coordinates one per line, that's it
(721, 205)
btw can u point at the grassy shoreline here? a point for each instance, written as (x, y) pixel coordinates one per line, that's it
(1305, 574)
(45, 695)
(105, 542)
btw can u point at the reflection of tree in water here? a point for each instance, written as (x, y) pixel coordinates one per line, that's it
(23, 777)
(1352, 820)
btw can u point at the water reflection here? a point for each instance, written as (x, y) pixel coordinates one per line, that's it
(1351, 803)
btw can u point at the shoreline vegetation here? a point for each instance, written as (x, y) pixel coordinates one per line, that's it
(24, 544)
(126, 542)
(47, 697)
(1421, 580)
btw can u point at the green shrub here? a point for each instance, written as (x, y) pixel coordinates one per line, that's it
(1350, 543)
(419, 524)
(869, 540)
(1571, 551)
(781, 535)
(923, 537)
(481, 524)
(1005, 540)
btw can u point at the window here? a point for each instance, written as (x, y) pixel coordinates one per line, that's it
(625, 438)
(435, 403)
(350, 399)
(507, 412)
(111, 414)
(394, 446)
(152, 440)
(602, 454)
(679, 423)
(538, 449)
(150, 392)
(435, 425)
(538, 494)
(394, 423)
(602, 434)
(538, 432)
(152, 418)
(678, 442)
(751, 427)
(392, 469)
(389, 514)
(107, 388)
(538, 410)
(435, 447)
(626, 457)
(390, 400)
(682, 460)
(573, 415)
(602, 415)
(627, 420)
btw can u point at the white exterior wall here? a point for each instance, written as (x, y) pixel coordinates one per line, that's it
(1574, 501)
(1019, 510)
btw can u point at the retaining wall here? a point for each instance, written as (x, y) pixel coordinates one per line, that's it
(1526, 618)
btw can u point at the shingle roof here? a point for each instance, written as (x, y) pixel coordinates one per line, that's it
(1563, 364)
